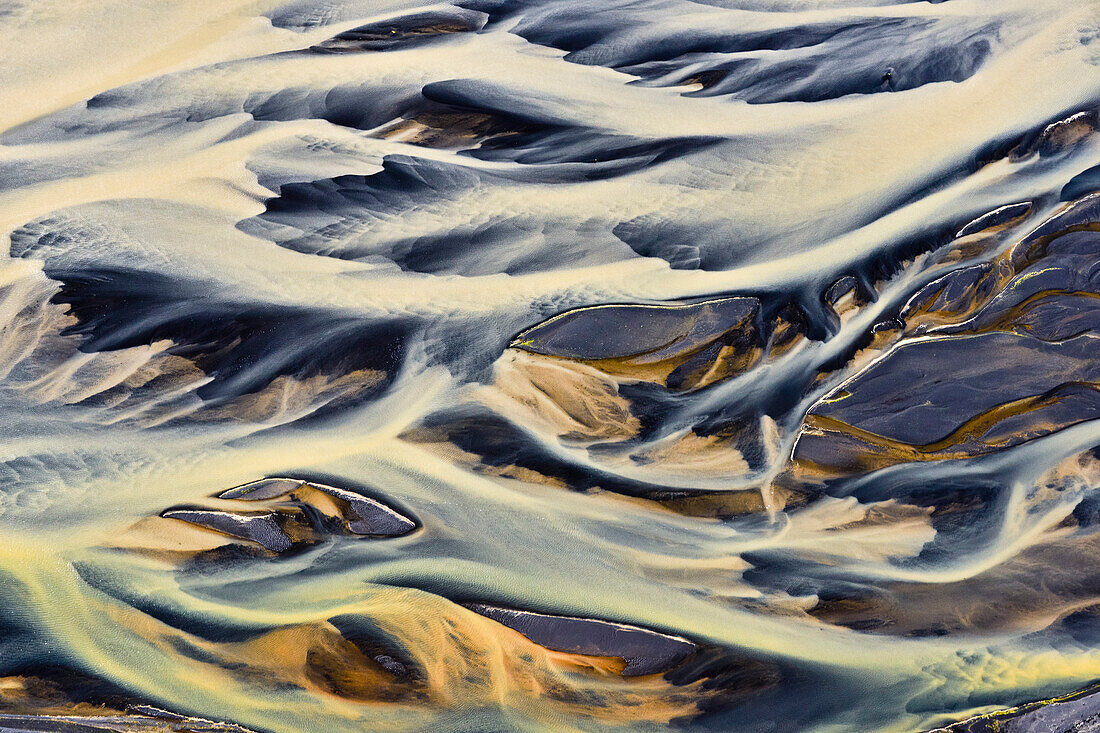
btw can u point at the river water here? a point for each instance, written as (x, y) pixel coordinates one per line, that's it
(806, 409)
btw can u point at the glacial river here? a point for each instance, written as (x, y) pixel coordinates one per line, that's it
(749, 350)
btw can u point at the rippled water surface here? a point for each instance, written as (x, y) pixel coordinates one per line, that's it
(725, 365)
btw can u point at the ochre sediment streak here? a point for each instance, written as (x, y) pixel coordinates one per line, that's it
(965, 440)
